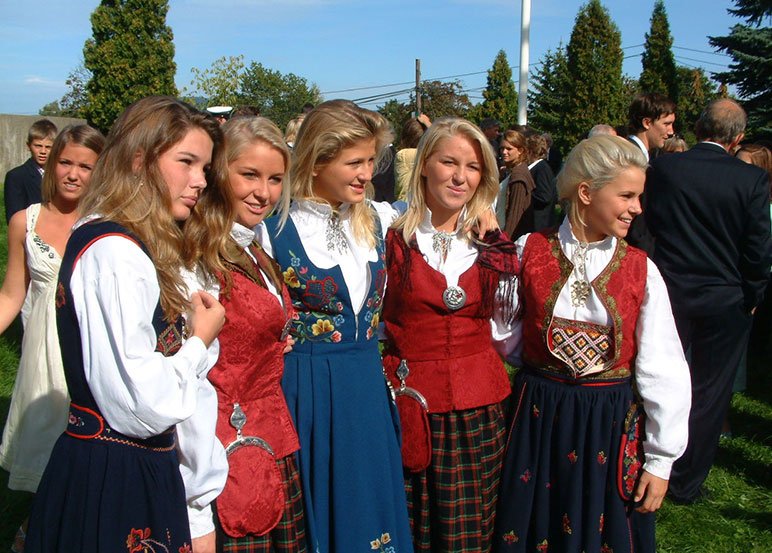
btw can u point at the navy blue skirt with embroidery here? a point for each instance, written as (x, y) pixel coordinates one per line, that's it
(99, 496)
(565, 471)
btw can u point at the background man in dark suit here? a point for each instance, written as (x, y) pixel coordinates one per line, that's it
(22, 183)
(709, 215)
(650, 119)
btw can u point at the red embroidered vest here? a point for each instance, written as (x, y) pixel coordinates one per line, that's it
(449, 353)
(251, 364)
(620, 286)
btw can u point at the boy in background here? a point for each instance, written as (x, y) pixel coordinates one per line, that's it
(22, 183)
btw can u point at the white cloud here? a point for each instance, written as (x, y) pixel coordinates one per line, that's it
(42, 81)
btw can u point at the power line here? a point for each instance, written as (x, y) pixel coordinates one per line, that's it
(702, 51)
(723, 65)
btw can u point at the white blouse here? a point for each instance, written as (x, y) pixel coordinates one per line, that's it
(661, 373)
(311, 220)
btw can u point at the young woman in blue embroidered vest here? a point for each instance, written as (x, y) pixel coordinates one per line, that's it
(602, 399)
(440, 311)
(261, 506)
(113, 482)
(329, 244)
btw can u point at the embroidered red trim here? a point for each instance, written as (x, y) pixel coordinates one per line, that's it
(90, 412)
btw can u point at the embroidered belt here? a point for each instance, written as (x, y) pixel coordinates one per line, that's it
(86, 424)
(555, 374)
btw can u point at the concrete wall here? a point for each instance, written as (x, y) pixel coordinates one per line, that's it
(13, 137)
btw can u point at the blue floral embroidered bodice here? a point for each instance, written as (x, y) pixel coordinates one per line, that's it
(320, 297)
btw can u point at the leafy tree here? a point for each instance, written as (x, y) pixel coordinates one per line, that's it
(500, 96)
(439, 99)
(74, 102)
(750, 46)
(279, 97)
(659, 68)
(548, 94)
(695, 90)
(218, 84)
(130, 56)
(397, 113)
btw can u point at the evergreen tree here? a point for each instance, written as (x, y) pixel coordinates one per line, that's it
(548, 94)
(659, 68)
(500, 96)
(750, 46)
(130, 56)
(695, 90)
(597, 90)
(440, 99)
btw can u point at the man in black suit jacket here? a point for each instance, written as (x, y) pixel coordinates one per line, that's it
(709, 215)
(22, 183)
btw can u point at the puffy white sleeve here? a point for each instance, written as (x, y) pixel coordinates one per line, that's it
(508, 339)
(203, 464)
(662, 378)
(140, 392)
(386, 214)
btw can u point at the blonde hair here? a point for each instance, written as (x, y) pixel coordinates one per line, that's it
(127, 185)
(416, 187)
(328, 129)
(291, 133)
(595, 161)
(207, 232)
(79, 135)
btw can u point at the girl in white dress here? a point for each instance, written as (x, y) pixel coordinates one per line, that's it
(36, 240)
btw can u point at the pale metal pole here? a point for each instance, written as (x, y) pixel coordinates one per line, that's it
(418, 87)
(525, 32)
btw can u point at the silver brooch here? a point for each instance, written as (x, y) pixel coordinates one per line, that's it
(336, 239)
(580, 288)
(454, 297)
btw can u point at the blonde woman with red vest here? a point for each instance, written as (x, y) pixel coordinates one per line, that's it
(602, 400)
(445, 288)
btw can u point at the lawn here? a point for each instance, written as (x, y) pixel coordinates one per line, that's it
(737, 517)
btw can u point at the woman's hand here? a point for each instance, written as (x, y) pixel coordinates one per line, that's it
(651, 490)
(288, 343)
(486, 223)
(207, 315)
(204, 544)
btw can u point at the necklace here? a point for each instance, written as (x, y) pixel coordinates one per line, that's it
(336, 239)
(580, 288)
(441, 241)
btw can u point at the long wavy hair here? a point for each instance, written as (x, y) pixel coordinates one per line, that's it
(207, 232)
(486, 191)
(329, 128)
(127, 185)
(79, 135)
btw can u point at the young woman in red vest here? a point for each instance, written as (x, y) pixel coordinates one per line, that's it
(261, 505)
(602, 399)
(445, 289)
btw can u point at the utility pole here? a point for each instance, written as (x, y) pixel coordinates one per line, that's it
(525, 32)
(418, 87)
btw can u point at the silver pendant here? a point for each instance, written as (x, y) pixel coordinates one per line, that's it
(454, 297)
(441, 243)
(580, 291)
(336, 239)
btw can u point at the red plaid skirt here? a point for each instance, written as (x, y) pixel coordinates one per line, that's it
(452, 503)
(289, 536)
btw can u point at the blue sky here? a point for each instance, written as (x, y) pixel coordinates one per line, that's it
(340, 44)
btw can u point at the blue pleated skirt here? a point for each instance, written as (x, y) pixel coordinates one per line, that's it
(349, 459)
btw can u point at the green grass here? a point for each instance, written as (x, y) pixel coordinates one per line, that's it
(737, 518)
